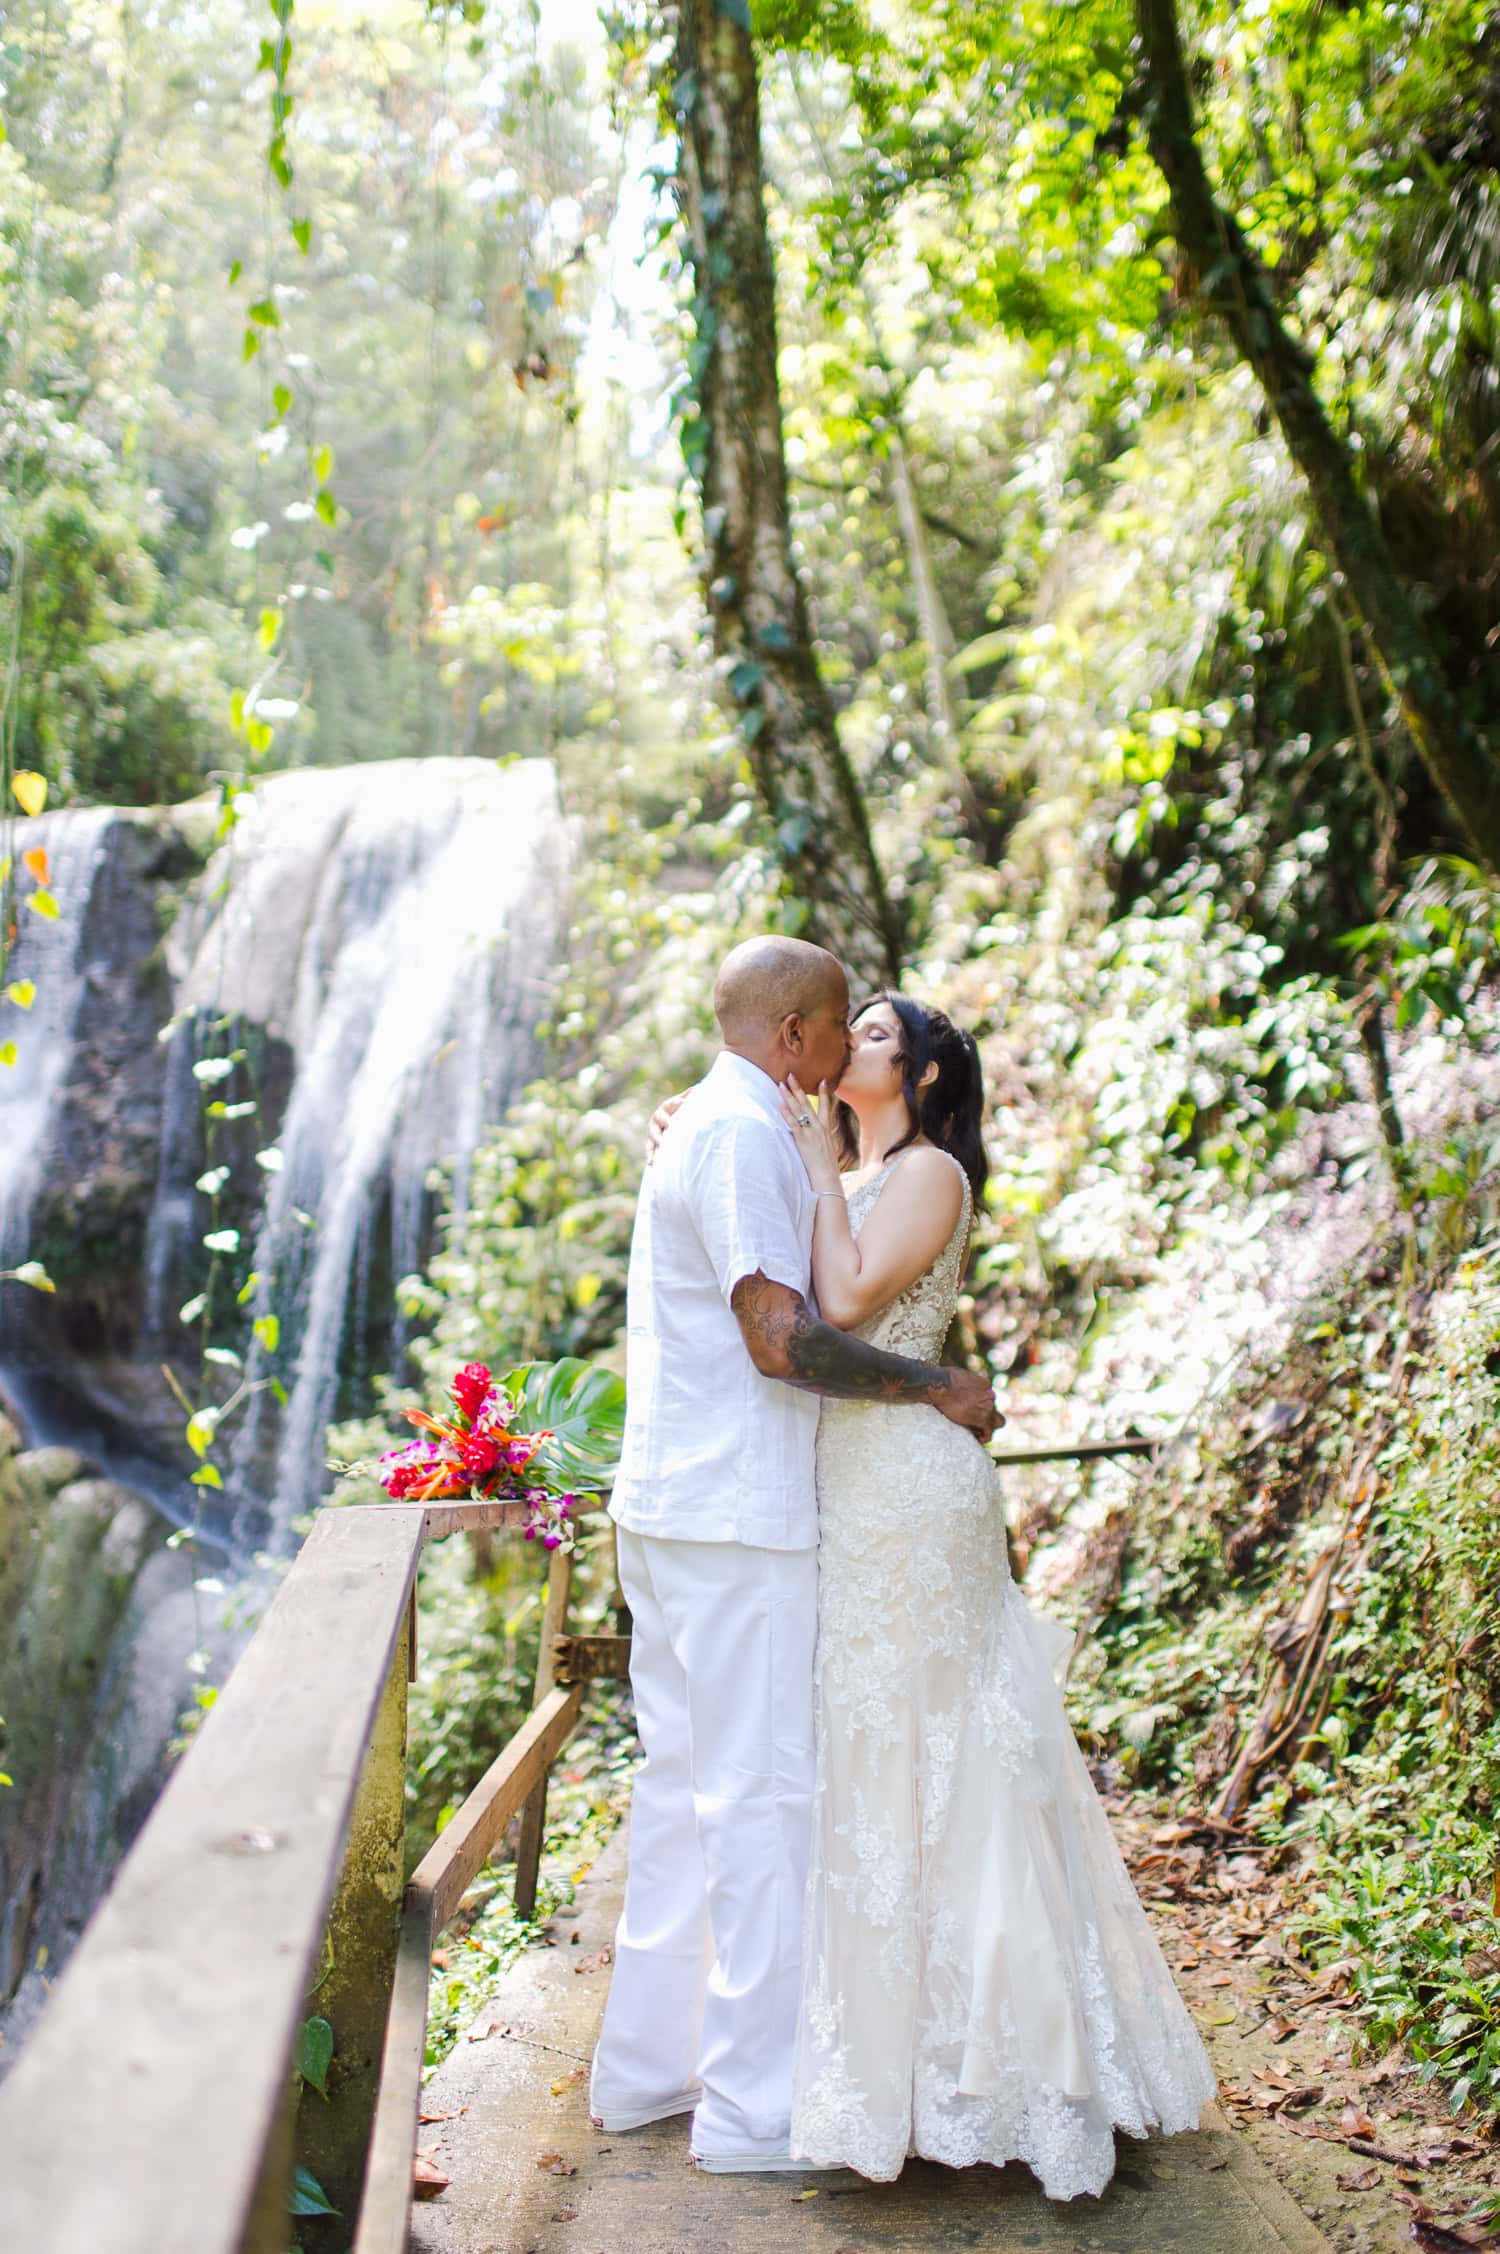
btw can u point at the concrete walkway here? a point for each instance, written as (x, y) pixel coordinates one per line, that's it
(529, 2175)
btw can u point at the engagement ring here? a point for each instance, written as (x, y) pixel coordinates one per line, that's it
(804, 1119)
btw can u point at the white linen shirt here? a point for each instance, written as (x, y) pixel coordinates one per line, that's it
(713, 1451)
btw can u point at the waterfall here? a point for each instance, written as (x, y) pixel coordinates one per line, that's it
(394, 925)
(381, 937)
(54, 957)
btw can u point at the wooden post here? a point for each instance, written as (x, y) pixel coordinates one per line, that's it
(354, 1995)
(268, 2226)
(534, 1814)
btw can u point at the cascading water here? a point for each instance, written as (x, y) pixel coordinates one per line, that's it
(379, 941)
(394, 925)
(53, 957)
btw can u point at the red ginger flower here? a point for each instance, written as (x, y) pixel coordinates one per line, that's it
(482, 1453)
(472, 1388)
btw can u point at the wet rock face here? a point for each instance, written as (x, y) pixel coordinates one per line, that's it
(93, 1208)
(96, 1620)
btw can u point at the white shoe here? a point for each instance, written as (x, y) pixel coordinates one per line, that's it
(756, 2164)
(614, 2123)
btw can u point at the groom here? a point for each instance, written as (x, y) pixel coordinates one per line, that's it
(718, 1529)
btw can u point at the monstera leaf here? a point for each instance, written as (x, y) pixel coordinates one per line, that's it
(584, 1406)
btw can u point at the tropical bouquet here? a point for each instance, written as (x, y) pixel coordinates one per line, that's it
(546, 1434)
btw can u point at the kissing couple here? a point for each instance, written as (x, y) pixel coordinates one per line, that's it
(873, 1905)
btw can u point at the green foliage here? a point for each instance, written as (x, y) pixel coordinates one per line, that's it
(1386, 1820)
(308, 2196)
(314, 2054)
(1434, 952)
(584, 1410)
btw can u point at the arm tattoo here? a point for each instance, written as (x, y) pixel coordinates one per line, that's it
(821, 1359)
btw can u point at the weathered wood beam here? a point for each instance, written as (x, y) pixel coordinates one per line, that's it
(1086, 1452)
(385, 2208)
(459, 1853)
(591, 1659)
(438, 1885)
(534, 1814)
(181, 2003)
(475, 1518)
(333, 2128)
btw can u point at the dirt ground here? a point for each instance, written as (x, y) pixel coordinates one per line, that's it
(1370, 2153)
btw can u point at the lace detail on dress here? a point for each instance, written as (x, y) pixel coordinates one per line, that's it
(980, 1981)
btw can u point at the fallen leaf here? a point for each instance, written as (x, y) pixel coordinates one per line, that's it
(564, 2215)
(595, 1963)
(1220, 1980)
(1442, 2238)
(555, 2165)
(452, 2115)
(569, 2081)
(796, 2195)
(1359, 2179)
(1355, 2122)
(426, 2180)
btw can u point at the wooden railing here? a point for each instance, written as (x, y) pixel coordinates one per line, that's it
(153, 2109)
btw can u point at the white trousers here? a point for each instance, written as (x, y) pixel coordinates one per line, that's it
(708, 1950)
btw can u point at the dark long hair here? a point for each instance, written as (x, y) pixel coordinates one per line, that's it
(950, 1110)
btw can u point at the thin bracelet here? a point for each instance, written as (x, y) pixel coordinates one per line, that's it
(829, 1193)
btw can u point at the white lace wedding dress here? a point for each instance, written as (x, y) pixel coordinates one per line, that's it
(980, 1982)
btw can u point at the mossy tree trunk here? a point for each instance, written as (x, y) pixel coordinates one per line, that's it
(733, 445)
(1230, 281)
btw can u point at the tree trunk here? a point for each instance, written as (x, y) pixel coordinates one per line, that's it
(1231, 282)
(733, 447)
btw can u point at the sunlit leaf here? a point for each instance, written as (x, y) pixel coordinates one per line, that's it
(36, 861)
(22, 992)
(267, 1329)
(207, 1475)
(30, 790)
(42, 904)
(200, 1429)
(33, 1273)
(583, 1406)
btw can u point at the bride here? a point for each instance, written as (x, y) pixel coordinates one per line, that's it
(980, 1982)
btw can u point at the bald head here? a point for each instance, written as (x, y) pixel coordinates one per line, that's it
(785, 1006)
(765, 981)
